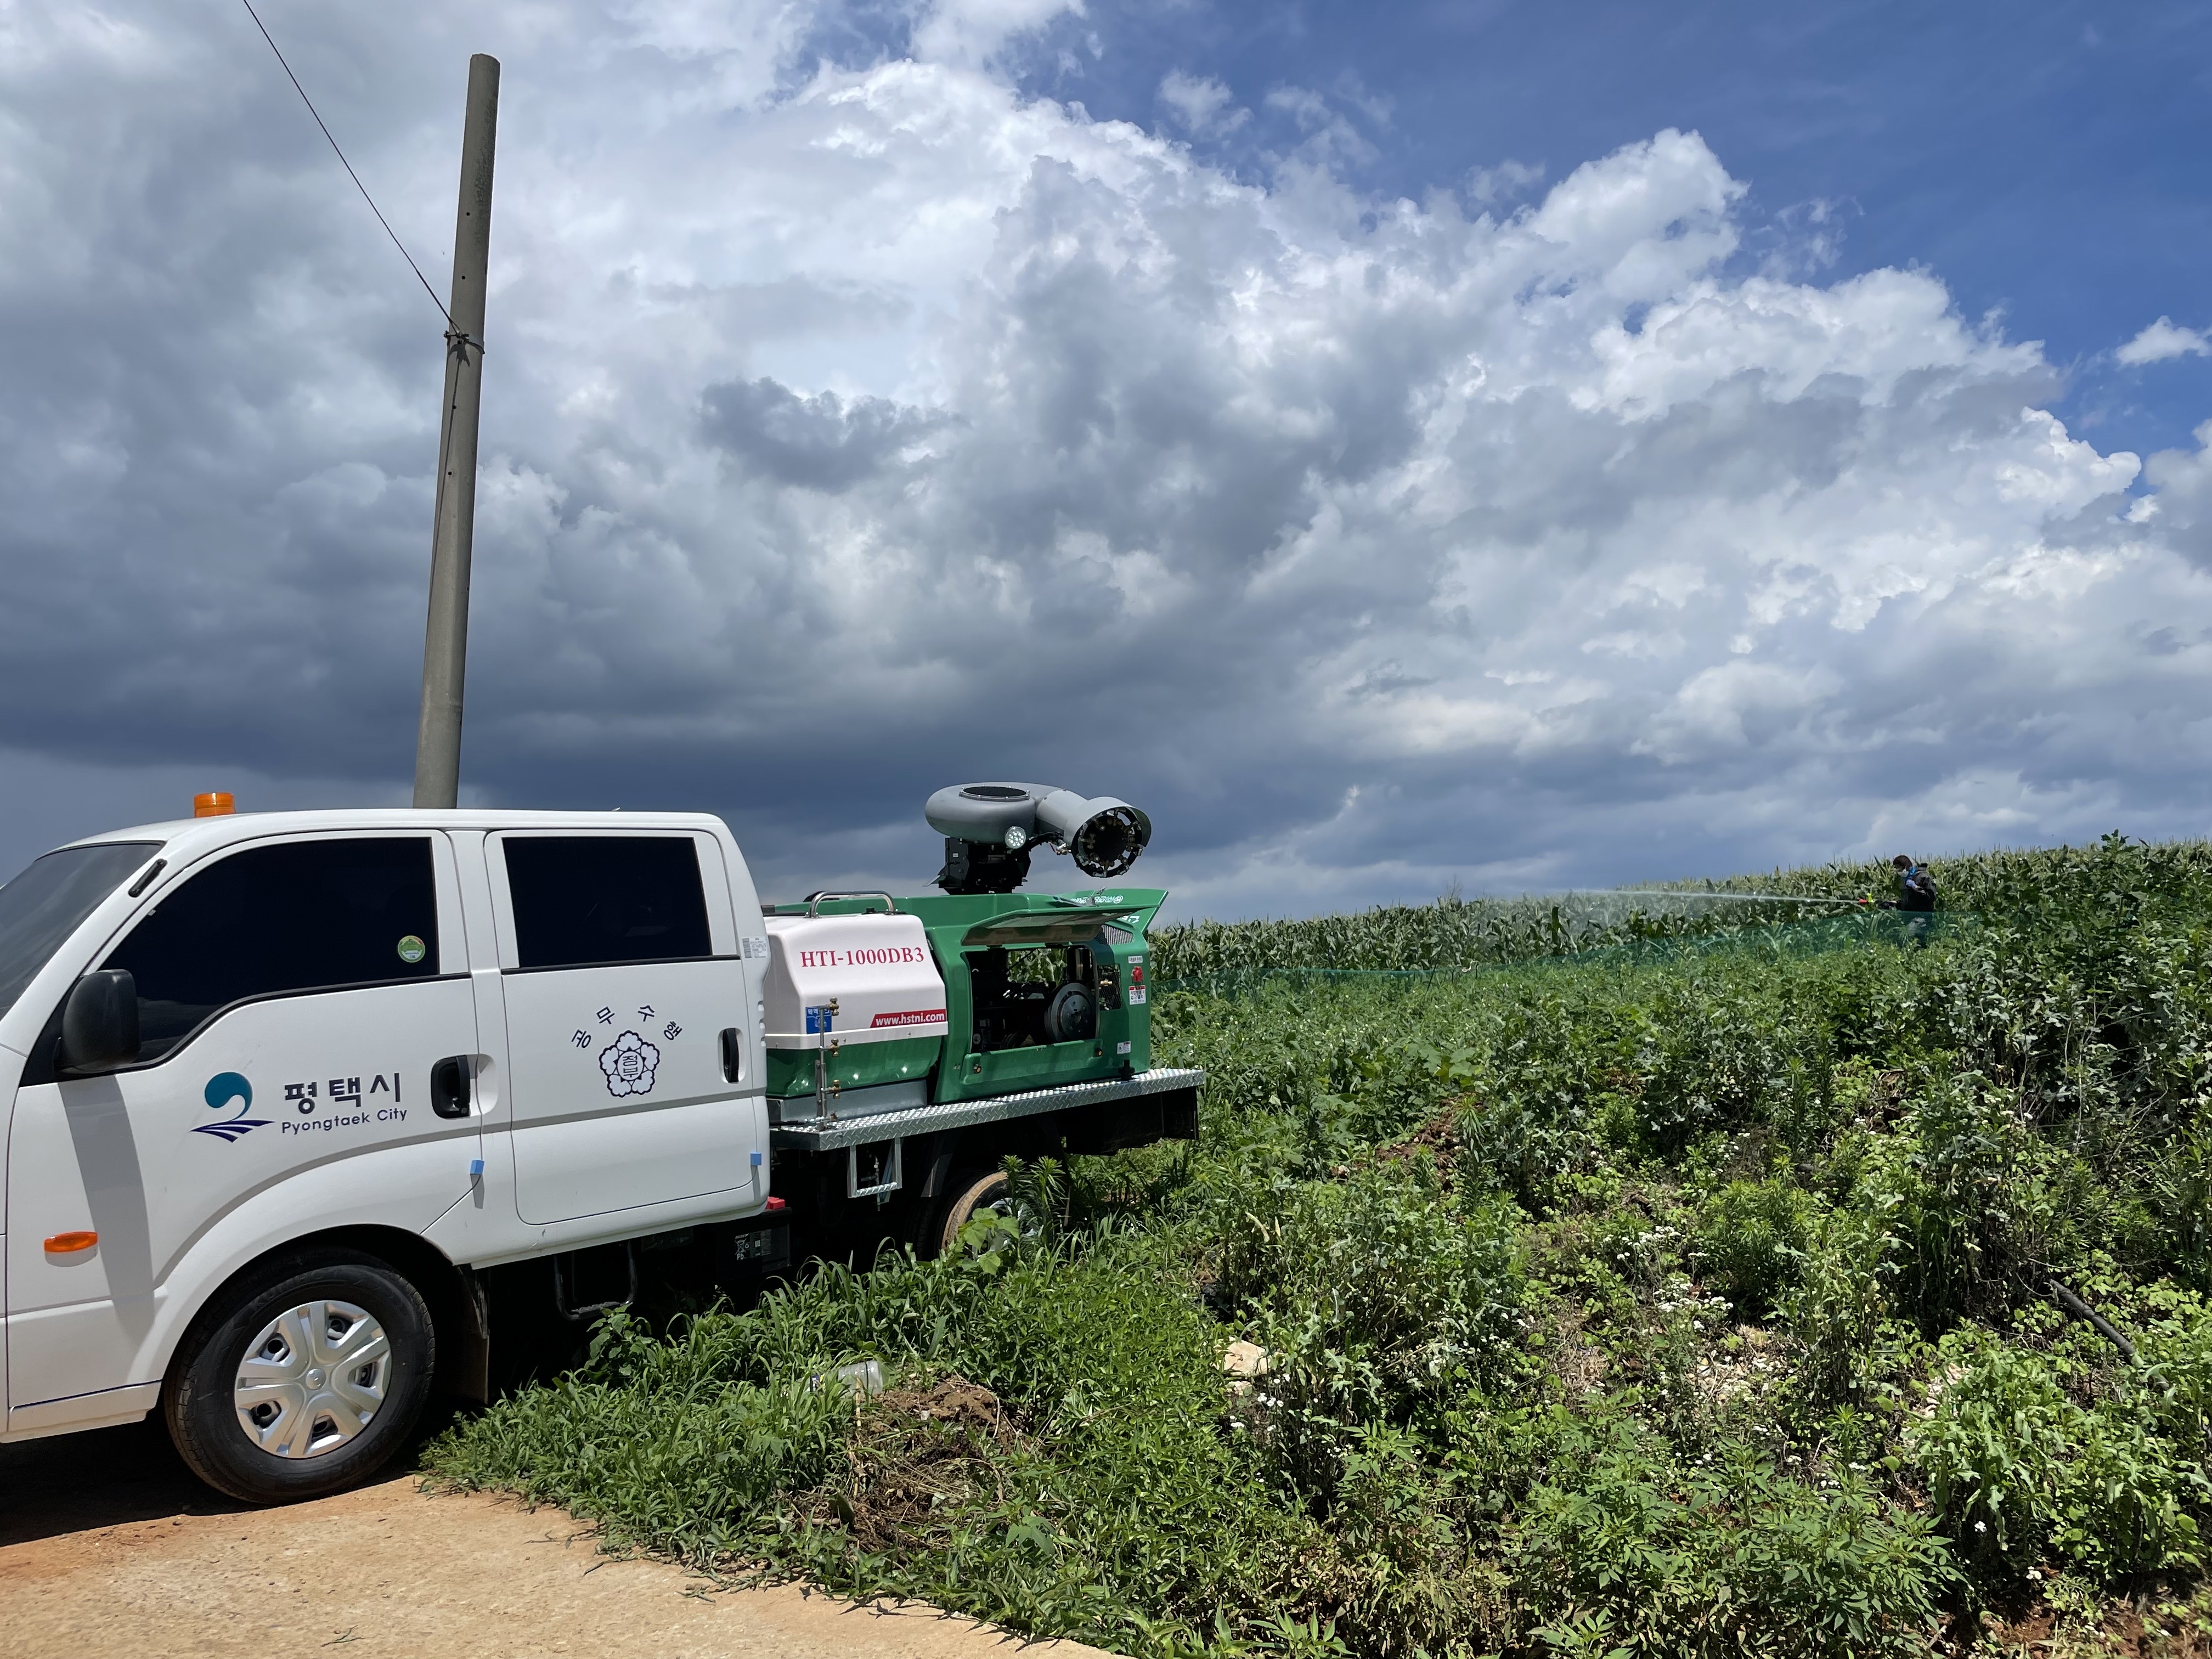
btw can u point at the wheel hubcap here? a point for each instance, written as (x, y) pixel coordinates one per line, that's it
(313, 1379)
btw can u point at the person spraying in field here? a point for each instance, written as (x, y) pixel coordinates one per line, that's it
(1915, 896)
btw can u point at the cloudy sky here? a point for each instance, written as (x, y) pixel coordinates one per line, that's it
(1510, 444)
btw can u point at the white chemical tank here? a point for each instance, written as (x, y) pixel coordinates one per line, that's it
(851, 980)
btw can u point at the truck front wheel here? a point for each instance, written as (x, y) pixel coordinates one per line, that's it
(302, 1377)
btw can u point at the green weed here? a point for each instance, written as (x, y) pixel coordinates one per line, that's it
(1655, 1280)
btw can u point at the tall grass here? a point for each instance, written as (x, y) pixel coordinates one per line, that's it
(1696, 1298)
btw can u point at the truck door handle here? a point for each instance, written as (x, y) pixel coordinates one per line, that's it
(449, 1087)
(733, 1055)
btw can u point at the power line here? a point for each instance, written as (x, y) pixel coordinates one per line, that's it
(350, 174)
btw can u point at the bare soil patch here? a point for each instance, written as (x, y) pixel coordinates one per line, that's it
(108, 1548)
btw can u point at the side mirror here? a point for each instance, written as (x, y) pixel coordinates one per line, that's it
(99, 1023)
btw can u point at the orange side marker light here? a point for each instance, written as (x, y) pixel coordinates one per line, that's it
(71, 1243)
(215, 803)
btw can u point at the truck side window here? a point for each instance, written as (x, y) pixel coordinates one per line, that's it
(586, 901)
(305, 915)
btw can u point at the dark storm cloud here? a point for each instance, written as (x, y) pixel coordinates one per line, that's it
(817, 443)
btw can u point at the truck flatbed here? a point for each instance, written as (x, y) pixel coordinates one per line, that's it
(822, 1134)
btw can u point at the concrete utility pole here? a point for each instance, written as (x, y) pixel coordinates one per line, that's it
(446, 640)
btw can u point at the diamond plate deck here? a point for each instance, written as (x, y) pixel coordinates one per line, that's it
(819, 1136)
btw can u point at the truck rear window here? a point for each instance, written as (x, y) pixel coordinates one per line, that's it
(588, 900)
(294, 916)
(43, 906)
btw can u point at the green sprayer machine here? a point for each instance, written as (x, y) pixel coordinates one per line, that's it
(913, 1044)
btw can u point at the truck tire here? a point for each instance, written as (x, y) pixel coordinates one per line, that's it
(969, 1191)
(302, 1377)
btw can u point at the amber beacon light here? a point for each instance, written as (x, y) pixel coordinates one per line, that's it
(71, 1243)
(215, 803)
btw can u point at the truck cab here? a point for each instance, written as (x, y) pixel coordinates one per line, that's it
(480, 1036)
(284, 1093)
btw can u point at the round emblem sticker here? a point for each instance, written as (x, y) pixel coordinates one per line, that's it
(411, 949)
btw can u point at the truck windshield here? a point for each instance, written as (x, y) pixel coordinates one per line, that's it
(42, 907)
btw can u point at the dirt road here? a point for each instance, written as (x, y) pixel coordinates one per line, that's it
(108, 1548)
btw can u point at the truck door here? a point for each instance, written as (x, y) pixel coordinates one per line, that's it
(305, 1014)
(627, 1018)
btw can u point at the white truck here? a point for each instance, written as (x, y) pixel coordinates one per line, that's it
(286, 1095)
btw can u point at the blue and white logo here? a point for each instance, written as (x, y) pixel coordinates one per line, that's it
(221, 1089)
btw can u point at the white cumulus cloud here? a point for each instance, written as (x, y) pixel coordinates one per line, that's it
(2163, 339)
(1202, 105)
(1502, 181)
(971, 31)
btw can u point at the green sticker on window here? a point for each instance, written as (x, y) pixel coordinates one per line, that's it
(412, 950)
